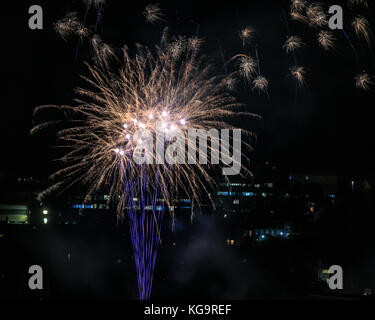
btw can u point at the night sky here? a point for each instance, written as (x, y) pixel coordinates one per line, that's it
(329, 129)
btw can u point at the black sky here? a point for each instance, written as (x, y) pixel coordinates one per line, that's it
(328, 129)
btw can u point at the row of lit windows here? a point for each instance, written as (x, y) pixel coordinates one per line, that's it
(257, 185)
(244, 194)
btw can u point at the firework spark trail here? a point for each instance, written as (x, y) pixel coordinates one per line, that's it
(83, 25)
(224, 63)
(99, 15)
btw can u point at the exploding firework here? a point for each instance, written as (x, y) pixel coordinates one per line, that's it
(230, 83)
(246, 35)
(247, 66)
(364, 81)
(115, 118)
(67, 25)
(362, 3)
(298, 73)
(316, 14)
(178, 46)
(326, 40)
(153, 13)
(298, 5)
(82, 32)
(362, 29)
(292, 43)
(297, 16)
(260, 83)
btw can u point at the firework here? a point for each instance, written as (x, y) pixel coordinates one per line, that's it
(364, 81)
(326, 40)
(292, 43)
(298, 73)
(260, 83)
(362, 3)
(298, 5)
(246, 35)
(194, 43)
(153, 13)
(247, 66)
(297, 16)
(362, 28)
(230, 83)
(316, 14)
(178, 46)
(107, 127)
(67, 25)
(82, 32)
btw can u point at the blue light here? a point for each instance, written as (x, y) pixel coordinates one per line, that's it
(222, 193)
(263, 236)
(281, 233)
(248, 194)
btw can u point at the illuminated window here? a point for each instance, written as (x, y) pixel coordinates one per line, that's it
(45, 211)
(236, 201)
(45, 220)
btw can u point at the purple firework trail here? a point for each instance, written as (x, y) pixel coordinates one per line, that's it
(98, 17)
(145, 226)
(84, 22)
